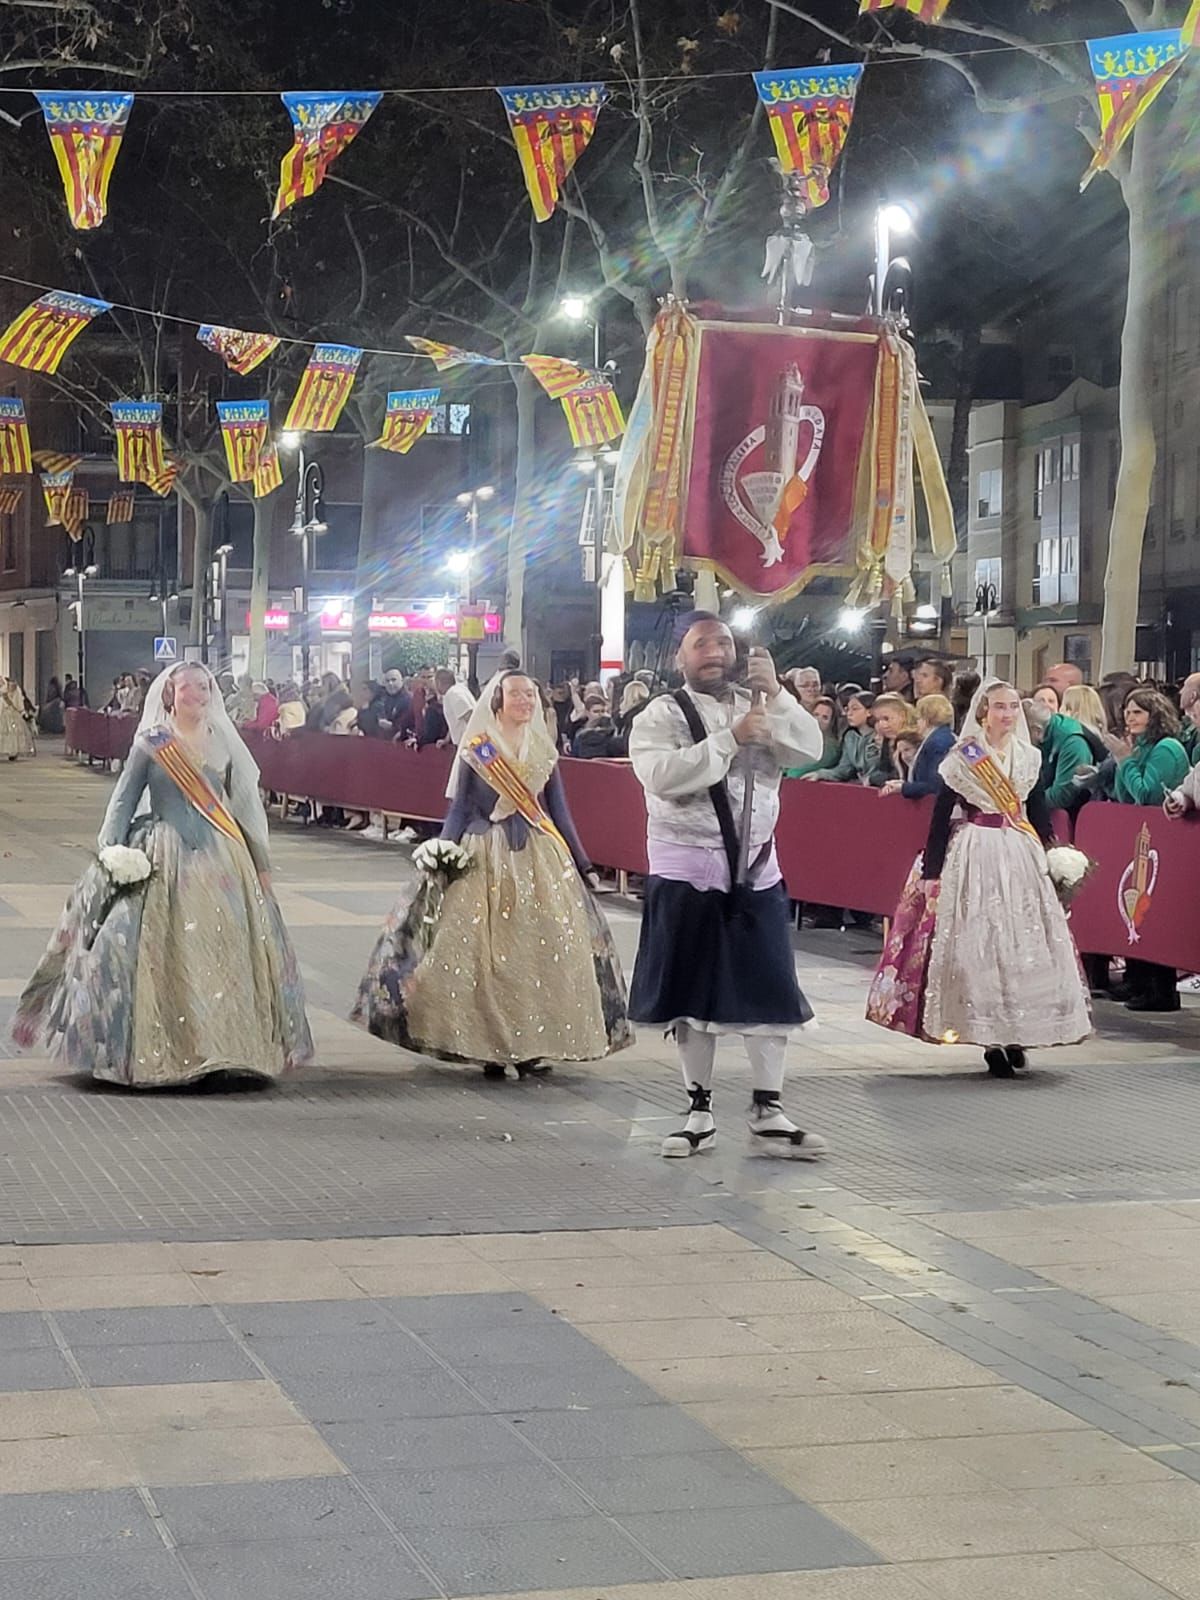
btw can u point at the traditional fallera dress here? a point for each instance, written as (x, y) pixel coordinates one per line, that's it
(987, 957)
(191, 971)
(512, 962)
(16, 736)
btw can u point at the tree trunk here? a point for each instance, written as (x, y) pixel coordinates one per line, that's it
(202, 521)
(1122, 576)
(368, 573)
(524, 492)
(958, 474)
(259, 587)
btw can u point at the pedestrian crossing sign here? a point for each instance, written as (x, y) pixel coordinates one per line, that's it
(166, 650)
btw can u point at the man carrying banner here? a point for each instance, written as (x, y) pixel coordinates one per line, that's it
(715, 955)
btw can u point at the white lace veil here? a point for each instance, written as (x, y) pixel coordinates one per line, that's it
(228, 751)
(972, 727)
(537, 755)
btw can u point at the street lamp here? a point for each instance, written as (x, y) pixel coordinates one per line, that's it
(307, 520)
(80, 575)
(890, 221)
(223, 553)
(584, 310)
(743, 618)
(987, 602)
(851, 619)
(463, 561)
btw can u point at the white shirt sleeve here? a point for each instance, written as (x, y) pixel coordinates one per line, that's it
(458, 703)
(795, 733)
(669, 769)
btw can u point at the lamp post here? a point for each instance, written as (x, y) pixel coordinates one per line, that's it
(307, 520)
(465, 562)
(223, 553)
(986, 603)
(890, 221)
(80, 575)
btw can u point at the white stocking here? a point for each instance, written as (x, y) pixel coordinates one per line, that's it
(697, 1053)
(766, 1052)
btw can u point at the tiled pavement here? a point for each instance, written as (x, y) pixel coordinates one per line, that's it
(958, 1359)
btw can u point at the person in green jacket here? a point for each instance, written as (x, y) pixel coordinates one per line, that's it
(1156, 764)
(825, 711)
(859, 749)
(1065, 749)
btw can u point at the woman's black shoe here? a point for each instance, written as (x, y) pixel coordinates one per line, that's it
(493, 1069)
(1154, 1001)
(998, 1063)
(1016, 1057)
(535, 1068)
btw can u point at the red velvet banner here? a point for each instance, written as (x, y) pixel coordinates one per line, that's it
(780, 421)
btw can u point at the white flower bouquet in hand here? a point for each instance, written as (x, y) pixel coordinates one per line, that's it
(1069, 870)
(126, 867)
(441, 858)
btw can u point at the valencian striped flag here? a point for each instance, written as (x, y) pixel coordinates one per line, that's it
(407, 416)
(1130, 71)
(551, 125)
(11, 495)
(14, 437)
(244, 428)
(121, 503)
(556, 376)
(323, 125)
(55, 461)
(56, 486)
(241, 352)
(40, 337)
(268, 474)
(1190, 35)
(324, 389)
(85, 133)
(75, 512)
(593, 413)
(445, 356)
(162, 482)
(809, 109)
(140, 446)
(925, 10)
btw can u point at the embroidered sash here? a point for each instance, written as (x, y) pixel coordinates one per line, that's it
(484, 756)
(997, 787)
(192, 784)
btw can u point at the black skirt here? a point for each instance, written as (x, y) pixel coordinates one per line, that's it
(719, 958)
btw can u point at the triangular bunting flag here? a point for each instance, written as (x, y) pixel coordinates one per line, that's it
(56, 461)
(407, 416)
(85, 134)
(11, 495)
(40, 337)
(268, 474)
(551, 124)
(1190, 34)
(56, 486)
(445, 356)
(810, 109)
(1130, 70)
(556, 376)
(120, 504)
(141, 456)
(245, 425)
(15, 458)
(324, 389)
(322, 126)
(593, 413)
(923, 10)
(241, 352)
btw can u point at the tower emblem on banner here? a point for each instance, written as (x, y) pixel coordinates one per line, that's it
(764, 479)
(1136, 888)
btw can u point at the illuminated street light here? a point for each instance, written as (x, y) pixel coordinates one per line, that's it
(926, 613)
(289, 440)
(574, 307)
(458, 562)
(743, 619)
(897, 219)
(851, 619)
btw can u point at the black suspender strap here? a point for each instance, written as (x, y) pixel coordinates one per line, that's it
(718, 792)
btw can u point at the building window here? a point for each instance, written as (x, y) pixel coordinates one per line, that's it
(451, 419)
(1039, 482)
(1060, 365)
(1045, 572)
(8, 542)
(987, 583)
(1070, 461)
(1077, 649)
(989, 493)
(1068, 569)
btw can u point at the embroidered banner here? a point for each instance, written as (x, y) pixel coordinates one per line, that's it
(268, 474)
(140, 445)
(39, 338)
(15, 457)
(925, 10)
(324, 389)
(56, 486)
(1131, 71)
(445, 356)
(120, 504)
(773, 405)
(551, 125)
(241, 352)
(323, 125)
(408, 414)
(593, 413)
(810, 110)
(556, 376)
(85, 134)
(245, 425)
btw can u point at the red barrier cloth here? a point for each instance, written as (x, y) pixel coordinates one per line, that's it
(96, 734)
(1147, 883)
(361, 774)
(844, 845)
(609, 809)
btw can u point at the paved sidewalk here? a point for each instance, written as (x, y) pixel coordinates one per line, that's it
(310, 1342)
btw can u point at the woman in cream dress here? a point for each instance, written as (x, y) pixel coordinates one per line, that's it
(1000, 969)
(520, 967)
(16, 736)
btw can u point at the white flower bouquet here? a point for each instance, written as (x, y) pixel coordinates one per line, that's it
(1069, 870)
(441, 858)
(126, 867)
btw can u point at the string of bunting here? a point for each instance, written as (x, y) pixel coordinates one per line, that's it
(552, 124)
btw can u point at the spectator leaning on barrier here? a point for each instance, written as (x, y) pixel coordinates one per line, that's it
(892, 715)
(859, 748)
(1085, 705)
(1189, 700)
(935, 725)
(826, 712)
(1066, 675)
(291, 709)
(1068, 756)
(1153, 764)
